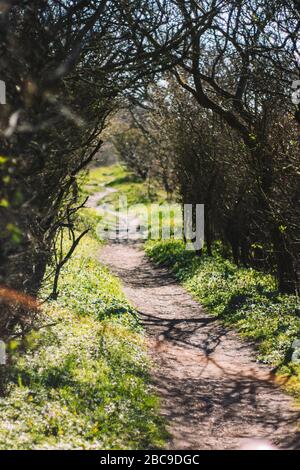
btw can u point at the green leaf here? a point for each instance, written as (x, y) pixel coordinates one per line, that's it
(16, 234)
(4, 203)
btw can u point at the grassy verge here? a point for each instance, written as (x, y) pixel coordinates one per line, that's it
(123, 182)
(82, 382)
(242, 298)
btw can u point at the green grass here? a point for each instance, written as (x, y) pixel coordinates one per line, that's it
(125, 183)
(96, 177)
(242, 298)
(144, 202)
(82, 383)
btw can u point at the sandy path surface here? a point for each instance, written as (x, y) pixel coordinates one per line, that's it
(214, 395)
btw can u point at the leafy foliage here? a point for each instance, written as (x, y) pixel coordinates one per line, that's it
(243, 298)
(83, 382)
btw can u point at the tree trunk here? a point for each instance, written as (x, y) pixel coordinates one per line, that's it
(286, 271)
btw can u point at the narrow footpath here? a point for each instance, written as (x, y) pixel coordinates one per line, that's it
(214, 395)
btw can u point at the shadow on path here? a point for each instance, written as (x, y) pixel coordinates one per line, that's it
(214, 394)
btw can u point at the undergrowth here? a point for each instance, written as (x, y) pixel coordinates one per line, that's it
(243, 298)
(82, 381)
(123, 183)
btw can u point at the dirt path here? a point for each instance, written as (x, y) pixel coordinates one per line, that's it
(214, 394)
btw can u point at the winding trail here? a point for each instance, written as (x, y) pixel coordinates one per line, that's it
(213, 393)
